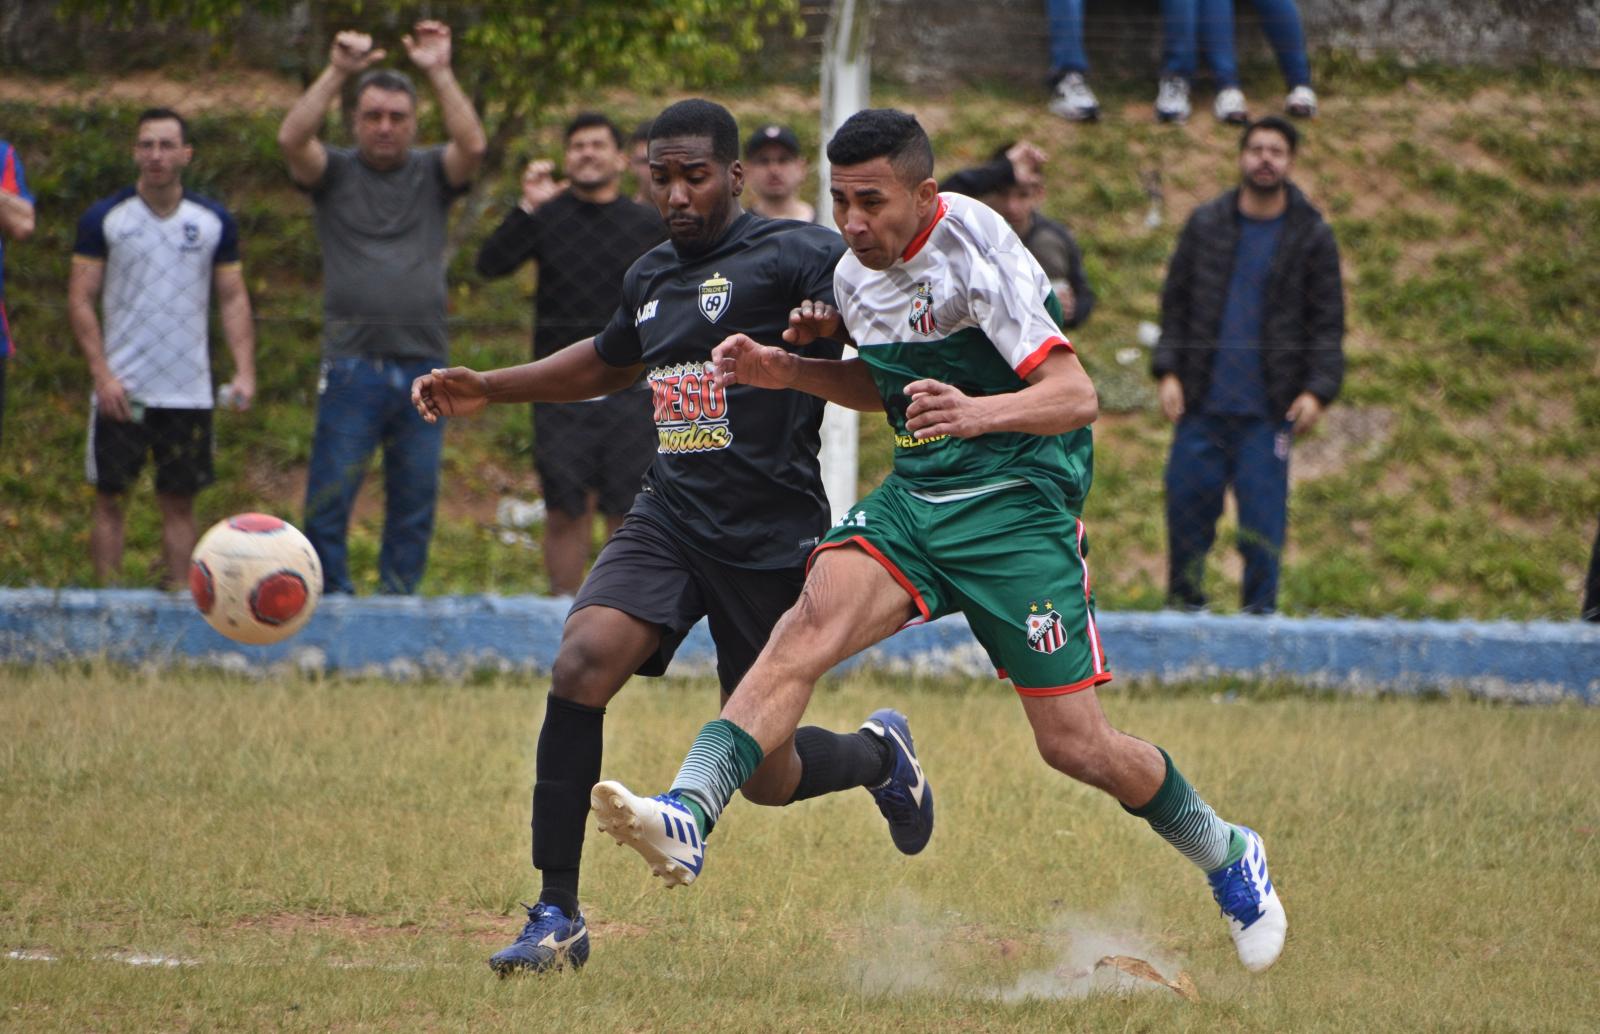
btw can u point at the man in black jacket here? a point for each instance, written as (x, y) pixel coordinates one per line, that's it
(1251, 352)
(584, 234)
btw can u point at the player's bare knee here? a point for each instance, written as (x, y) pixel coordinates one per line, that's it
(765, 793)
(581, 672)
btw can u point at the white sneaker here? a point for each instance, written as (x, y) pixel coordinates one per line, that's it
(1229, 106)
(1073, 100)
(1172, 99)
(1255, 916)
(1301, 102)
(659, 828)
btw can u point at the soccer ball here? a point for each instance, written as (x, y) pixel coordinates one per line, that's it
(255, 578)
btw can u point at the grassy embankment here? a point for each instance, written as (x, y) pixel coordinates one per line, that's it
(1455, 478)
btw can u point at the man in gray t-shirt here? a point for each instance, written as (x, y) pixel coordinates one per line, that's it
(381, 213)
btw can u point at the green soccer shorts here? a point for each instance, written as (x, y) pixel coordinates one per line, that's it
(1009, 560)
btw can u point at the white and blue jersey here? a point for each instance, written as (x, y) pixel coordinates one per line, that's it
(157, 291)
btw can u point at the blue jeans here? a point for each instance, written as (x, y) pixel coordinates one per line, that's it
(1210, 24)
(1280, 20)
(1065, 22)
(1209, 453)
(361, 403)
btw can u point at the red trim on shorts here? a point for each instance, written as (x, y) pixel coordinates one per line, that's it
(887, 564)
(922, 238)
(1061, 691)
(1038, 355)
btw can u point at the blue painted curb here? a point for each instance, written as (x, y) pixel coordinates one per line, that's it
(453, 635)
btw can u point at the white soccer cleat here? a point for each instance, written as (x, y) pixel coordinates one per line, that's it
(1255, 916)
(659, 828)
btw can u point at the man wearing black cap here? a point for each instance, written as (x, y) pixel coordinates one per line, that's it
(774, 170)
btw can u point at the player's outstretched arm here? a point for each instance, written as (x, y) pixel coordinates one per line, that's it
(740, 359)
(1059, 398)
(571, 375)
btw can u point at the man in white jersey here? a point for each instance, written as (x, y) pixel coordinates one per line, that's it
(958, 335)
(152, 253)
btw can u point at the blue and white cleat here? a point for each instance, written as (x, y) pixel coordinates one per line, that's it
(1255, 915)
(905, 799)
(660, 828)
(549, 941)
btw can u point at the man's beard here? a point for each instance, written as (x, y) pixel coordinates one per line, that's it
(1255, 187)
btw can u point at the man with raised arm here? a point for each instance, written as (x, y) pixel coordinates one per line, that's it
(730, 508)
(381, 213)
(957, 330)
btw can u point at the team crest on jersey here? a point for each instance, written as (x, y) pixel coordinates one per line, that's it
(1047, 630)
(922, 308)
(716, 295)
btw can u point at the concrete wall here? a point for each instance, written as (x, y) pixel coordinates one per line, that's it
(407, 637)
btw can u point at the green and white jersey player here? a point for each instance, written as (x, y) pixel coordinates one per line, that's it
(991, 411)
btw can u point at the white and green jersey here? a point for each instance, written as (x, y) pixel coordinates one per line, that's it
(968, 305)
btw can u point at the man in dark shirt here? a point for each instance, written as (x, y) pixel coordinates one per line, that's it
(731, 507)
(1251, 352)
(584, 235)
(1012, 183)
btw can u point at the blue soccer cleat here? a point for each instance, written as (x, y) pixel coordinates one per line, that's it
(1255, 915)
(549, 941)
(660, 828)
(905, 798)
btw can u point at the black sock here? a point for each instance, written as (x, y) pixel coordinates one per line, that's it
(831, 761)
(565, 770)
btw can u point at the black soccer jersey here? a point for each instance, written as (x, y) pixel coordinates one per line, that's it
(736, 473)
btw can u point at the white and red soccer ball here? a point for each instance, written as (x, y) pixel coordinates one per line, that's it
(255, 578)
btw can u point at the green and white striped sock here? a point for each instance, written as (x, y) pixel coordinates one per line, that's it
(1186, 822)
(722, 757)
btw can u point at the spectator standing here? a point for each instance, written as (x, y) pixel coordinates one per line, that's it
(381, 214)
(1251, 351)
(774, 169)
(16, 223)
(1012, 183)
(151, 254)
(584, 235)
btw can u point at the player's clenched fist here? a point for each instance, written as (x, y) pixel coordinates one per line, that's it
(457, 391)
(939, 409)
(740, 359)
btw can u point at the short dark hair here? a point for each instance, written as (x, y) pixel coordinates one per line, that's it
(641, 133)
(1281, 126)
(162, 115)
(590, 119)
(386, 79)
(884, 133)
(701, 118)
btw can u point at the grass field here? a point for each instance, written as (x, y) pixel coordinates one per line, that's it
(344, 854)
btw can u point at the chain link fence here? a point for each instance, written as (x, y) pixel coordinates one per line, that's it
(1452, 476)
